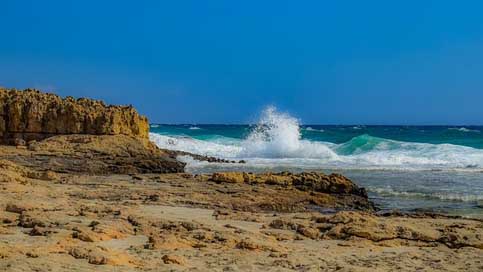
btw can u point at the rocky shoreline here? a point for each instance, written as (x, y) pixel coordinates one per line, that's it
(96, 195)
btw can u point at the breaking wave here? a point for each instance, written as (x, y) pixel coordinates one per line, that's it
(277, 138)
(460, 197)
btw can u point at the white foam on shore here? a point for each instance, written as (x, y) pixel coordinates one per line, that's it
(194, 146)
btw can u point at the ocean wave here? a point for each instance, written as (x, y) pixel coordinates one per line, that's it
(276, 140)
(194, 128)
(194, 146)
(445, 196)
(463, 129)
(362, 152)
(313, 129)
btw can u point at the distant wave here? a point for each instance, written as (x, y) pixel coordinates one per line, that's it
(313, 129)
(276, 140)
(194, 128)
(154, 125)
(463, 129)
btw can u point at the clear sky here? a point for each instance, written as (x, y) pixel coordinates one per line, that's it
(326, 62)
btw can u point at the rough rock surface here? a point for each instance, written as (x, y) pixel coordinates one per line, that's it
(307, 181)
(90, 154)
(181, 222)
(32, 115)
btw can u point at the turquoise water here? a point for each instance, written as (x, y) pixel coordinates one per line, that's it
(431, 168)
(471, 136)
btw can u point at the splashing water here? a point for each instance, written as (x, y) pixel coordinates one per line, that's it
(277, 135)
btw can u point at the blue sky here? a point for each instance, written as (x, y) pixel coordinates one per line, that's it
(326, 62)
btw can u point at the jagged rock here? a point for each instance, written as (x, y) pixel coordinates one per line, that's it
(173, 259)
(283, 224)
(92, 154)
(32, 115)
(309, 232)
(231, 177)
(31, 219)
(307, 181)
(249, 244)
(18, 207)
(39, 231)
(169, 241)
(348, 224)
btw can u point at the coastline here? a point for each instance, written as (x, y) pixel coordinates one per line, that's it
(116, 202)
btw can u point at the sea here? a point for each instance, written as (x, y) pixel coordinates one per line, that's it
(405, 168)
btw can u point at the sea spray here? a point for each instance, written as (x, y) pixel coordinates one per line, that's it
(277, 135)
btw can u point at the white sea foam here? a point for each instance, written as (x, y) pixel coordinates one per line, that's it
(194, 146)
(447, 196)
(277, 135)
(194, 128)
(276, 141)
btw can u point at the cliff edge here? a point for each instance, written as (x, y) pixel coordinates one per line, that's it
(67, 135)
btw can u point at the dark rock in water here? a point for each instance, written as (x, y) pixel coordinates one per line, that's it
(175, 153)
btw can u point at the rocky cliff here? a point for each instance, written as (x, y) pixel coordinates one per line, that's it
(32, 115)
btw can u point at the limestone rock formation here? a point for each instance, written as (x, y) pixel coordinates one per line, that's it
(307, 181)
(88, 154)
(32, 115)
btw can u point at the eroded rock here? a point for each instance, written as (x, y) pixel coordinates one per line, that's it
(32, 115)
(307, 181)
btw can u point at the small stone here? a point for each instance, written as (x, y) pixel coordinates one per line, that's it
(97, 259)
(248, 244)
(19, 142)
(174, 259)
(309, 232)
(32, 255)
(39, 231)
(16, 208)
